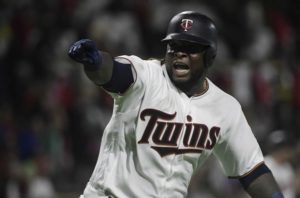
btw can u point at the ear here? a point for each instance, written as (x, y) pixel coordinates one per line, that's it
(209, 57)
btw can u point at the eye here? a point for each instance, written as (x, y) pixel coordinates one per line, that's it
(186, 47)
(195, 49)
(172, 46)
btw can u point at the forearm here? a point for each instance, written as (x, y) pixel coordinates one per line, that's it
(101, 68)
(102, 73)
(264, 186)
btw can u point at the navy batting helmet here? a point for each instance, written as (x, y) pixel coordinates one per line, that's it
(197, 28)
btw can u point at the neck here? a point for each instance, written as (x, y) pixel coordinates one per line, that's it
(197, 89)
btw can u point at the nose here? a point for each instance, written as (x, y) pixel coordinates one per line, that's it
(180, 54)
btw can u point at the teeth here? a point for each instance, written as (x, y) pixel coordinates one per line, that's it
(180, 66)
(181, 69)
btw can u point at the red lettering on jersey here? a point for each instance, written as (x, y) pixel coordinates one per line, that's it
(213, 136)
(203, 137)
(166, 134)
(154, 116)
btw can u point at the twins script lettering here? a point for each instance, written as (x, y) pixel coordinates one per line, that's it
(166, 135)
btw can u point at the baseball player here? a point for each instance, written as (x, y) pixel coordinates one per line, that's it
(168, 118)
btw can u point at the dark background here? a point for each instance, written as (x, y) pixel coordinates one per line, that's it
(52, 116)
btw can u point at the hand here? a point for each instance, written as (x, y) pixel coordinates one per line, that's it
(84, 51)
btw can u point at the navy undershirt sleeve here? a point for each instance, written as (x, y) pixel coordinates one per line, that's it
(277, 195)
(121, 79)
(248, 179)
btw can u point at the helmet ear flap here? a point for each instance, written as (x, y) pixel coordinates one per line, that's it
(209, 56)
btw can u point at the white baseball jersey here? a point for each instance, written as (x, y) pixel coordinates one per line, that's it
(158, 136)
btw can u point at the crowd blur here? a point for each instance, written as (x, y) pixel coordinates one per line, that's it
(52, 116)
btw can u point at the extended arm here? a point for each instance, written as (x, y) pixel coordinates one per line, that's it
(97, 65)
(102, 74)
(260, 183)
(100, 67)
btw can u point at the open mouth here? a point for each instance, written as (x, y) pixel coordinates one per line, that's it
(181, 66)
(181, 69)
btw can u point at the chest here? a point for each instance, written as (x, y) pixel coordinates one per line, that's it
(172, 123)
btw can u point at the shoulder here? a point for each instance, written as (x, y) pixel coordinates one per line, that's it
(222, 98)
(135, 60)
(144, 68)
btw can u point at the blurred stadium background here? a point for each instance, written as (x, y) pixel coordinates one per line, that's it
(52, 116)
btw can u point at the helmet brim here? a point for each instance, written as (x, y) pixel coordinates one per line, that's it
(186, 37)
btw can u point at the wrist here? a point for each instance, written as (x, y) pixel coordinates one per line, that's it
(95, 62)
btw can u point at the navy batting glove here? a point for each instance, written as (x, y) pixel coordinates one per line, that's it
(85, 51)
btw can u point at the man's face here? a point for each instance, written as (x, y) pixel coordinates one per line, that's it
(184, 63)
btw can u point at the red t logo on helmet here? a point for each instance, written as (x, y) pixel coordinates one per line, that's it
(186, 24)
